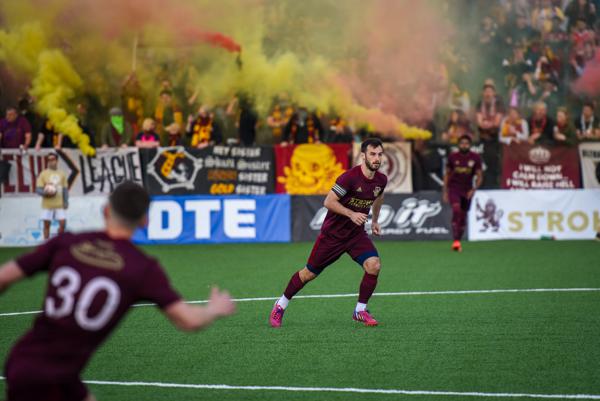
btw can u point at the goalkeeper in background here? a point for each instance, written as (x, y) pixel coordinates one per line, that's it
(52, 186)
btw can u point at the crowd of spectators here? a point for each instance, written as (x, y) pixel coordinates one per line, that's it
(534, 50)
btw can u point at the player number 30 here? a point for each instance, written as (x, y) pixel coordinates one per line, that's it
(67, 282)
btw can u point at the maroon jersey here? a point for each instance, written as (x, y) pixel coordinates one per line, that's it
(357, 193)
(462, 168)
(92, 282)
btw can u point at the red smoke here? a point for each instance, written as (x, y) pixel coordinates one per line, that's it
(214, 38)
(589, 82)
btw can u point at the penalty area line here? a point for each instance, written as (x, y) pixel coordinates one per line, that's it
(377, 294)
(342, 390)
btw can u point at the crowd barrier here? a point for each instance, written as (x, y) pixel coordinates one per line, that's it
(309, 169)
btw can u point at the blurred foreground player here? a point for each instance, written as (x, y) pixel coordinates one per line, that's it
(343, 231)
(93, 279)
(458, 186)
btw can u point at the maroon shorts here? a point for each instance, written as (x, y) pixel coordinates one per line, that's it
(459, 198)
(25, 382)
(327, 250)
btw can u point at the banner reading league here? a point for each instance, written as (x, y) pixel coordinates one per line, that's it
(522, 214)
(419, 216)
(95, 175)
(214, 170)
(396, 165)
(589, 155)
(540, 167)
(310, 169)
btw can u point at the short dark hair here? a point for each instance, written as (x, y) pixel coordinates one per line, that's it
(374, 142)
(130, 202)
(467, 137)
(589, 104)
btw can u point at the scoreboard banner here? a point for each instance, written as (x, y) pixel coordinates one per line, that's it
(522, 214)
(396, 165)
(86, 175)
(216, 219)
(214, 170)
(589, 155)
(528, 166)
(310, 169)
(419, 216)
(20, 223)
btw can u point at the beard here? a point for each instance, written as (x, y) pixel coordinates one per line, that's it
(464, 150)
(372, 167)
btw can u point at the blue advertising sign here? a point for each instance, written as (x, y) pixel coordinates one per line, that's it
(217, 219)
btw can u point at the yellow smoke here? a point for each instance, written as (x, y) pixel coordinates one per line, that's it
(317, 53)
(55, 81)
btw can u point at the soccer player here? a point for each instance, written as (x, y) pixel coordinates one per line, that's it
(348, 202)
(458, 186)
(93, 279)
(52, 186)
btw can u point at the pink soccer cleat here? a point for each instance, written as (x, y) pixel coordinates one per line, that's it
(365, 317)
(456, 246)
(276, 316)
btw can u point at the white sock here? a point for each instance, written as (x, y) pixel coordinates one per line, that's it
(283, 302)
(360, 307)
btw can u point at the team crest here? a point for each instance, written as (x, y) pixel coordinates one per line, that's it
(376, 191)
(471, 163)
(174, 168)
(359, 189)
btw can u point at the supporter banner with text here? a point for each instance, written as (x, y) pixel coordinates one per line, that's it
(214, 170)
(522, 214)
(20, 223)
(216, 219)
(589, 155)
(396, 166)
(540, 167)
(419, 216)
(86, 175)
(310, 169)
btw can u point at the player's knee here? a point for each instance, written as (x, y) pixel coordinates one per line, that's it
(373, 266)
(306, 275)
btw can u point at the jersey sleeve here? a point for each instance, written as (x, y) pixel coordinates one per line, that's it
(156, 287)
(449, 164)
(477, 165)
(40, 258)
(342, 185)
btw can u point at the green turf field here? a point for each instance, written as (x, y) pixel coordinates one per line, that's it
(509, 342)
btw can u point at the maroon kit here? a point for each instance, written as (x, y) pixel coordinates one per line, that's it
(92, 282)
(462, 168)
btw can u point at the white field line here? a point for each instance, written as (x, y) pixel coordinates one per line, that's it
(378, 294)
(344, 390)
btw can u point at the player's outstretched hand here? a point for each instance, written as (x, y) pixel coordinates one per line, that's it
(376, 228)
(220, 302)
(358, 218)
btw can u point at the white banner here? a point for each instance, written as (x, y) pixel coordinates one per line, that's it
(396, 165)
(589, 155)
(20, 223)
(526, 214)
(86, 175)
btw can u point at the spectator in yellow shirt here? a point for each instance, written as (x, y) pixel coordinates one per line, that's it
(52, 186)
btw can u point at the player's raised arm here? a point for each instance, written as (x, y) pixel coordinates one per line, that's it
(10, 272)
(188, 317)
(332, 203)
